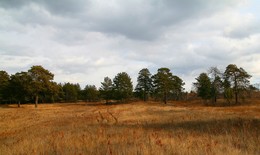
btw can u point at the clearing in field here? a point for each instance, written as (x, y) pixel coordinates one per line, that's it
(135, 128)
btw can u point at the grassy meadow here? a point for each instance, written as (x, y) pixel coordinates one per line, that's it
(133, 128)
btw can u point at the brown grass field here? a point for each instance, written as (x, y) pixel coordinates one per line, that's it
(134, 128)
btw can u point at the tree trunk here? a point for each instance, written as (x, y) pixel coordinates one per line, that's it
(165, 98)
(144, 96)
(214, 100)
(236, 90)
(52, 99)
(36, 101)
(236, 95)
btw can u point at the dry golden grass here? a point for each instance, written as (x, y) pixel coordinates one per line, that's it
(136, 128)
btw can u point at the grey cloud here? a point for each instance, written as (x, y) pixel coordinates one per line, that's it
(243, 32)
(12, 49)
(141, 20)
(87, 40)
(65, 7)
(15, 64)
(61, 7)
(146, 20)
(13, 3)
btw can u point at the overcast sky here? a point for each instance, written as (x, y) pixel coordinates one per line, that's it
(82, 41)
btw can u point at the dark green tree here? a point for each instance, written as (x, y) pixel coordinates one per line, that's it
(20, 86)
(203, 86)
(60, 96)
(144, 84)
(41, 81)
(178, 89)
(71, 92)
(122, 86)
(253, 87)
(55, 92)
(106, 89)
(4, 82)
(163, 83)
(228, 91)
(90, 93)
(238, 79)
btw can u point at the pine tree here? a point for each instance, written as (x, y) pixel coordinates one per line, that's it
(144, 84)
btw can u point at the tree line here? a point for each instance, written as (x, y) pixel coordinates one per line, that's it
(37, 85)
(233, 84)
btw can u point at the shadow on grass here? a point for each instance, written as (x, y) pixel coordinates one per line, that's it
(108, 104)
(212, 127)
(13, 106)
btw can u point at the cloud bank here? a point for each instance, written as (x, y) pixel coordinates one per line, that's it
(83, 41)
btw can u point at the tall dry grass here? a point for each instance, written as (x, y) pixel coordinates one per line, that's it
(136, 128)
